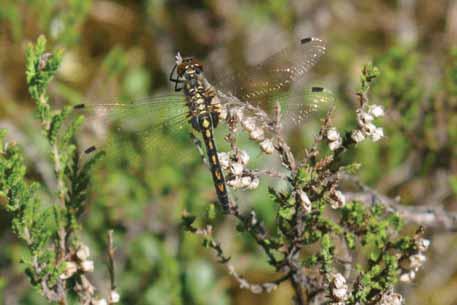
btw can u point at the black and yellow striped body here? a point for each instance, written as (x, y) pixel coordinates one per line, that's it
(206, 130)
(204, 111)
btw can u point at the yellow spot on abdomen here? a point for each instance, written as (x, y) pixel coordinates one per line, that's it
(221, 187)
(213, 159)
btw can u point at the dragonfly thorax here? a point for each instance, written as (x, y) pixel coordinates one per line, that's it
(201, 97)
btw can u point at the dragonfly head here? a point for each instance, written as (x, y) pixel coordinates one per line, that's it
(186, 69)
(189, 68)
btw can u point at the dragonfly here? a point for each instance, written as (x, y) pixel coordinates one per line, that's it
(202, 104)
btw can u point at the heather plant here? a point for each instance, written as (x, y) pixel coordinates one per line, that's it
(57, 262)
(331, 250)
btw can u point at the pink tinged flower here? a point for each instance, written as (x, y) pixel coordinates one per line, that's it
(376, 110)
(267, 146)
(87, 266)
(114, 296)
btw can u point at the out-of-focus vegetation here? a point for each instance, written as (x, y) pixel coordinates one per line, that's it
(122, 49)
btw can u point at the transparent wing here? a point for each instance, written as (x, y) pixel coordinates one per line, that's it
(276, 73)
(155, 125)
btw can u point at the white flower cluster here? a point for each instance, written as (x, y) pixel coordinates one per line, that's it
(366, 127)
(255, 130)
(334, 138)
(337, 199)
(412, 263)
(391, 298)
(235, 165)
(338, 287)
(82, 263)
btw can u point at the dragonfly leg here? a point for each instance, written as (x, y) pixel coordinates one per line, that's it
(198, 144)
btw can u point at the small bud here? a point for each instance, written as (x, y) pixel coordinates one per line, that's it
(377, 134)
(358, 136)
(236, 168)
(257, 134)
(114, 296)
(254, 184)
(339, 288)
(334, 145)
(249, 124)
(224, 159)
(246, 181)
(408, 276)
(423, 244)
(369, 128)
(339, 200)
(235, 182)
(267, 146)
(304, 201)
(376, 110)
(417, 260)
(100, 302)
(87, 266)
(70, 269)
(243, 157)
(363, 117)
(333, 134)
(83, 252)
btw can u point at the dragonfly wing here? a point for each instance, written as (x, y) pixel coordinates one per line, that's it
(276, 73)
(155, 125)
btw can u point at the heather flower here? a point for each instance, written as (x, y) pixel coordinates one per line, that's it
(267, 146)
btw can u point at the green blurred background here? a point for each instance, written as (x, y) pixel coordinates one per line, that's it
(125, 49)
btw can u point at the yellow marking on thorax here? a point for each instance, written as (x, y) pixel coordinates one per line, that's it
(208, 133)
(205, 123)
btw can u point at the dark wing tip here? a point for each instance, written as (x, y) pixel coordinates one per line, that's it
(90, 150)
(79, 106)
(306, 40)
(317, 89)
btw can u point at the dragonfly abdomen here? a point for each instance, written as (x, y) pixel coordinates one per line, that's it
(206, 128)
